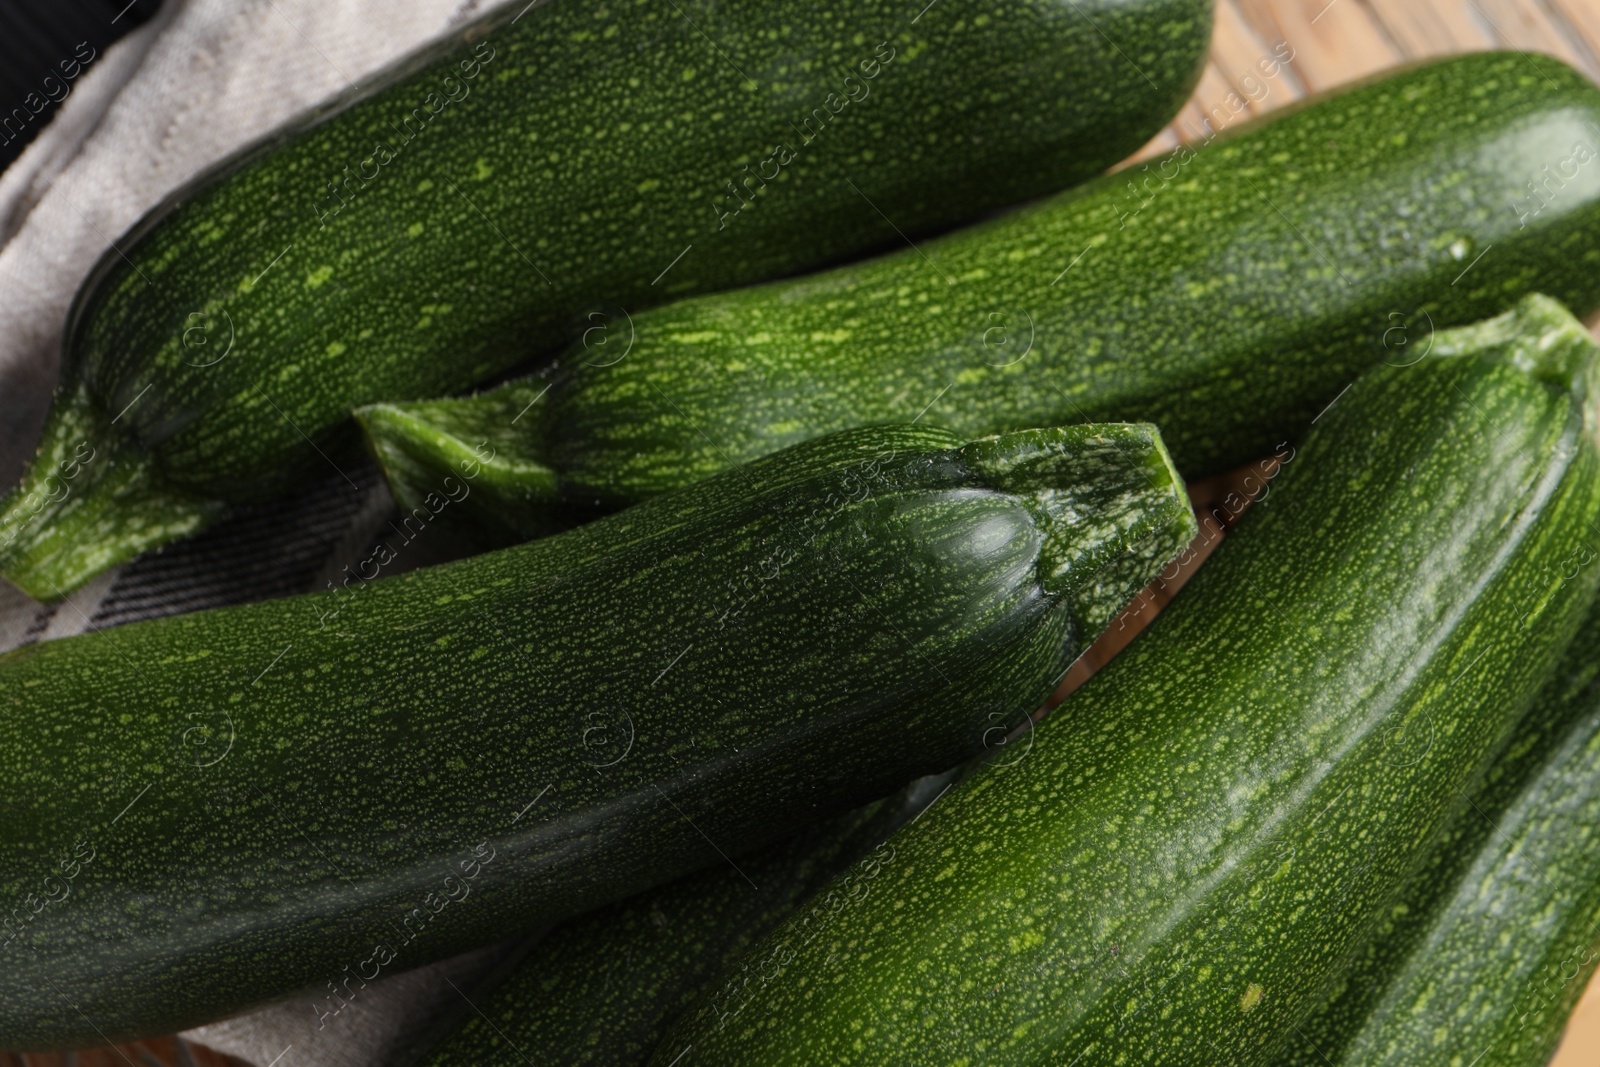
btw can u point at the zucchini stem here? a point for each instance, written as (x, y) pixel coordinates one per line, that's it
(489, 440)
(1109, 500)
(1540, 336)
(90, 500)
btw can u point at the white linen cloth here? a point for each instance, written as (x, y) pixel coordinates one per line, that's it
(201, 79)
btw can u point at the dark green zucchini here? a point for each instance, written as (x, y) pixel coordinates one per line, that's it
(1182, 862)
(1226, 293)
(320, 789)
(468, 208)
(600, 990)
(1486, 952)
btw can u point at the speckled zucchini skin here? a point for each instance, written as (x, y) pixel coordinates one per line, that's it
(600, 990)
(311, 791)
(566, 156)
(1226, 293)
(1184, 859)
(1486, 952)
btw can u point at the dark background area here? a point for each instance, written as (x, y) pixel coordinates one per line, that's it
(36, 37)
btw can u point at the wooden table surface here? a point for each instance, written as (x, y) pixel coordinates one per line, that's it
(1332, 41)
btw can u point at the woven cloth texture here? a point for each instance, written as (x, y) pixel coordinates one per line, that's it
(142, 117)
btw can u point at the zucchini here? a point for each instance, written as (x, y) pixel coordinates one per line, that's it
(1248, 282)
(1179, 864)
(319, 789)
(1486, 952)
(600, 990)
(473, 205)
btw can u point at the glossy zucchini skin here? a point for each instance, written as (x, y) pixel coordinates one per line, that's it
(1490, 946)
(1226, 293)
(600, 990)
(314, 790)
(468, 209)
(1186, 858)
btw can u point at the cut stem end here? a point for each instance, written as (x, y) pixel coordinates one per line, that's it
(1112, 506)
(91, 500)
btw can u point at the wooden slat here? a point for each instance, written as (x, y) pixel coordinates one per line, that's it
(1581, 1045)
(1579, 20)
(1335, 41)
(1431, 29)
(1246, 71)
(1213, 108)
(1520, 24)
(1239, 53)
(1159, 145)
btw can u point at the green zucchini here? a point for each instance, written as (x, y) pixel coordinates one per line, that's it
(1247, 283)
(600, 990)
(289, 793)
(472, 205)
(1183, 860)
(1486, 952)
